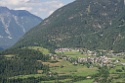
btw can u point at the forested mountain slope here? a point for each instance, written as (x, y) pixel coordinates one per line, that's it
(92, 24)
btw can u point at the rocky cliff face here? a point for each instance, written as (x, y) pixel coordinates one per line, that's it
(15, 23)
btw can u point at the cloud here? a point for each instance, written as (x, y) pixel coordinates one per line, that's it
(24, 8)
(41, 8)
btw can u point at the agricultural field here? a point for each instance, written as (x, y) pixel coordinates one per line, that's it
(9, 56)
(65, 71)
(27, 76)
(56, 81)
(74, 54)
(64, 67)
(41, 49)
(85, 81)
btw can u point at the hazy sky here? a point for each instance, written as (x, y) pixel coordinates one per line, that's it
(41, 8)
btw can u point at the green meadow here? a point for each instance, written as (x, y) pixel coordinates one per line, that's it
(41, 49)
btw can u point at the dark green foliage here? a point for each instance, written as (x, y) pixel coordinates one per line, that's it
(23, 63)
(119, 70)
(78, 78)
(92, 24)
(28, 80)
(102, 76)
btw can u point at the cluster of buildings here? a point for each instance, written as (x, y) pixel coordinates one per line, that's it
(101, 59)
(93, 60)
(66, 50)
(93, 57)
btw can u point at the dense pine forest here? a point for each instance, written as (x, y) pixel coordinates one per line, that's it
(20, 62)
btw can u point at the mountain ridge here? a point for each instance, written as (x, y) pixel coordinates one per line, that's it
(79, 24)
(14, 24)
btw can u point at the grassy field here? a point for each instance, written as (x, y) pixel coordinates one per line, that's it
(56, 81)
(9, 56)
(66, 81)
(120, 80)
(85, 81)
(113, 70)
(41, 49)
(118, 74)
(27, 76)
(62, 67)
(74, 54)
(65, 67)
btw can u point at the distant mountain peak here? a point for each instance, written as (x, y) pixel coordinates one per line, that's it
(4, 9)
(21, 12)
(15, 23)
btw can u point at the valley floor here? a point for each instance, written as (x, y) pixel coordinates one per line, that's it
(76, 66)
